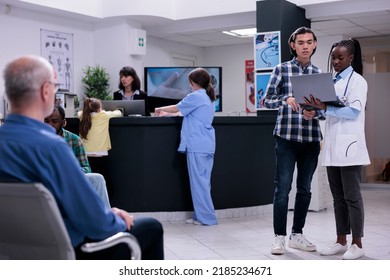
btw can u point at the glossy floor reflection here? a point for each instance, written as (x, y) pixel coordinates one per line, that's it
(250, 238)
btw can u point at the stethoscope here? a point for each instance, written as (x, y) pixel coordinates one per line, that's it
(344, 97)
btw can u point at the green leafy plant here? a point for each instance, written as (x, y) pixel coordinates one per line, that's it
(76, 102)
(96, 82)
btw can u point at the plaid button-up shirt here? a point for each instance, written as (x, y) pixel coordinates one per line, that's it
(290, 125)
(77, 146)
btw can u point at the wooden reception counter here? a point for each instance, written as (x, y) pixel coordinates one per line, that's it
(145, 173)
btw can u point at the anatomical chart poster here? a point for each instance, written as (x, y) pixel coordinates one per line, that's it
(57, 48)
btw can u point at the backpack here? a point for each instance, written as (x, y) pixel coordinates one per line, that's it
(386, 172)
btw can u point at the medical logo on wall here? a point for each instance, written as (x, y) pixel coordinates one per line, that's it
(57, 48)
(267, 52)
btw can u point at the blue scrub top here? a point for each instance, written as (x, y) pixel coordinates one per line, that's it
(197, 132)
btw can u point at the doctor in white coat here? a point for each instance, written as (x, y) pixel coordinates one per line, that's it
(344, 149)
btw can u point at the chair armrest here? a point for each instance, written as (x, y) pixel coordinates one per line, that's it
(120, 237)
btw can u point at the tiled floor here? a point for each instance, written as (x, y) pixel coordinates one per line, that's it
(250, 238)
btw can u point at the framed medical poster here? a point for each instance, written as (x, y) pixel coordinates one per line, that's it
(267, 52)
(261, 87)
(57, 48)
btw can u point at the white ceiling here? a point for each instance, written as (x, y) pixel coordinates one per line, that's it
(348, 18)
(368, 20)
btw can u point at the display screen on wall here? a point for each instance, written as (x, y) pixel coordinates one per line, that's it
(267, 52)
(168, 85)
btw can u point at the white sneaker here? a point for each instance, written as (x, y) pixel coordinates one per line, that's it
(353, 253)
(194, 222)
(299, 241)
(334, 249)
(279, 245)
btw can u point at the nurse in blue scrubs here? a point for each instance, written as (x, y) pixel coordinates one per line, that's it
(197, 142)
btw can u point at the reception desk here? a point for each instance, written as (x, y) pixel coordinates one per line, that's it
(145, 173)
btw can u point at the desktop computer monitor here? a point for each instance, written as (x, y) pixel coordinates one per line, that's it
(128, 107)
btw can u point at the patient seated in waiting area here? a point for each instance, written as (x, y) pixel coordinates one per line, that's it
(30, 151)
(58, 121)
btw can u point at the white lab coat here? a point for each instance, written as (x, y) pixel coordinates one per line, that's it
(344, 139)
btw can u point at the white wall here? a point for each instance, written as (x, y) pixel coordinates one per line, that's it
(20, 35)
(232, 59)
(111, 48)
(320, 58)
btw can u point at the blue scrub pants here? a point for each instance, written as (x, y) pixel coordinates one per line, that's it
(199, 167)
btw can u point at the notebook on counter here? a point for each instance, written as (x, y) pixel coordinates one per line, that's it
(319, 85)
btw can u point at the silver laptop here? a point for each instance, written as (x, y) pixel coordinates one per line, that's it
(319, 85)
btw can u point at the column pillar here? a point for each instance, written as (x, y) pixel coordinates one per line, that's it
(283, 16)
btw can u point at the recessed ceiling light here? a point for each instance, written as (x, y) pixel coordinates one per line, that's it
(241, 33)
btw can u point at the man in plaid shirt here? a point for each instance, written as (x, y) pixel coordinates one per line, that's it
(297, 142)
(57, 120)
(73, 140)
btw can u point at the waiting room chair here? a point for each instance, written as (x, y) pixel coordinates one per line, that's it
(31, 227)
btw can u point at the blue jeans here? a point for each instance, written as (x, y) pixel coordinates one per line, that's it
(305, 157)
(99, 185)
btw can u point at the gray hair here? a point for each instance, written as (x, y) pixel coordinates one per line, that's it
(24, 76)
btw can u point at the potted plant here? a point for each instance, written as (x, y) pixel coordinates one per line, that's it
(96, 82)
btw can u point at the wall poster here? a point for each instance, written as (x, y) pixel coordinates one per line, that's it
(267, 52)
(57, 48)
(250, 98)
(261, 86)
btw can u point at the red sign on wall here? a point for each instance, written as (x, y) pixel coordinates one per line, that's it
(250, 96)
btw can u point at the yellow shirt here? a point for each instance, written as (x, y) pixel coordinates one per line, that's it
(98, 136)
